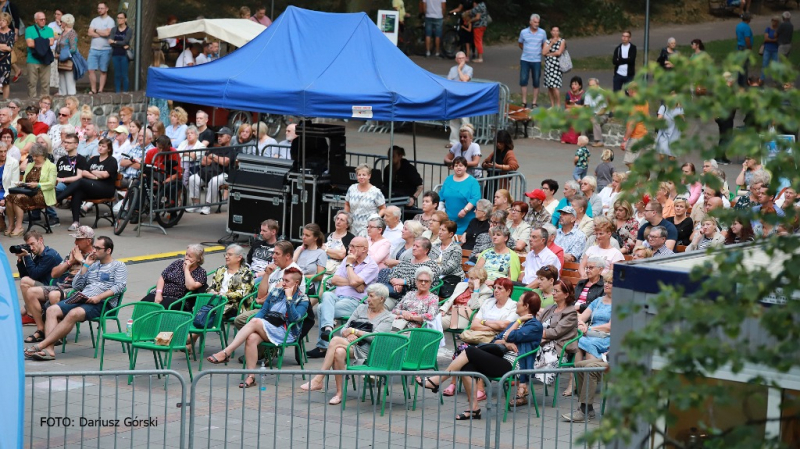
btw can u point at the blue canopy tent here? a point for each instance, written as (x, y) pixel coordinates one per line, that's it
(317, 64)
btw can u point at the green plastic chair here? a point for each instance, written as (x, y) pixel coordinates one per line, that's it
(457, 332)
(299, 344)
(518, 291)
(108, 305)
(435, 288)
(140, 309)
(387, 352)
(565, 360)
(215, 326)
(509, 383)
(243, 307)
(422, 354)
(144, 329)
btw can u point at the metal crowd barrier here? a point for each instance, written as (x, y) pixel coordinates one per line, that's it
(514, 182)
(100, 409)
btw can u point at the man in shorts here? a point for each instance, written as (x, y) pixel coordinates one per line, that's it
(100, 50)
(100, 277)
(635, 129)
(434, 16)
(531, 40)
(37, 297)
(35, 262)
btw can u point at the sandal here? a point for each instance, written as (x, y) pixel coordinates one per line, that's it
(422, 382)
(215, 361)
(521, 399)
(336, 400)
(36, 337)
(42, 356)
(567, 393)
(32, 349)
(247, 384)
(481, 395)
(450, 390)
(469, 414)
(307, 387)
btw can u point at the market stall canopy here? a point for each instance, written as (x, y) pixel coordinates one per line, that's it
(316, 64)
(234, 31)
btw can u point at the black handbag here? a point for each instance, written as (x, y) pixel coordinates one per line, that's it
(41, 49)
(364, 326)
(202, 320)
(449, 286)
(275, 318)
(22, 191)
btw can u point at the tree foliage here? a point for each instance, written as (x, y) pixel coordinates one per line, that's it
(699, 332)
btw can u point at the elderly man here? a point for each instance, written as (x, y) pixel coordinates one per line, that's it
(120, 142)
(351, 280)
(262, 250)
(37, 295)
(653, 217)
(99, 278)
(539, 256)
(112, 122)
(572, 190)
(459, 72)
(531, 40)
(35, 262)
(537, 215)
(551, 242)
(657, 240)
(569, 236)
(6, 116)
(204, 134)
(88, 147)
(55, 131)
(100, 49)
(291, 134)
(394, 228)
(38, 62)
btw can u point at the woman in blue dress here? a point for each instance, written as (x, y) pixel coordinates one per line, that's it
(290, 303)
(460, 193)
(595, 323)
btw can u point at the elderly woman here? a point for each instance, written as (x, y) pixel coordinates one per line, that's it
(449, 253)
(401, 278)
(363, 200)
(499, 261)
(668, 132)
(9, 173)
(603, 229)
(662, 196)
(310, 256)
(176, 131)
(459, 193)
(519, 228)
(234, 280)
(682, 221)
(39, 176)
(335, 246)
(610, 193)
(467, 297)
(560, 323)
(189, 159)
(708, 236)
(479, 225)
(626, 224)
(590, 288)
(368, 318)
(666, 53)
(87, 118)
(521, 336)
(417, 306)
(502, 201)
(264, 139)
(244, 135)
(546, 278)
(286, 300)
(641, 252)
(73, 105)
(484, 241)
(430, 203)
(180, 277)
(412, 230)
(379, 246)
(467, 149)
(589, 188)
(96, 182)
(68, 39)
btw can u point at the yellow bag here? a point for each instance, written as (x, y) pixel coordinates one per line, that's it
(163, 338)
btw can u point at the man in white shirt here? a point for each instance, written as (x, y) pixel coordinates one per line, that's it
(394, 228)
(539, 256)
(187, 58)
(121, 143)
(624, 62)
(204, 57)
(100, 50)
(284, 151)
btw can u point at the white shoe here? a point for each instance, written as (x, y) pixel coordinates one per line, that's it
(205, 210)
(192, 210)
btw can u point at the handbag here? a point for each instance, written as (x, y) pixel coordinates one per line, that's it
(493, 348)
(130, 54)
(597, 334)
(23, 191)
(65, 66)
(364, 326)
(565, 62)
(41, 49)
(64, 54)
(202, 320)
(275, 318)
(761, 50)
(399, 324)
(449, 283)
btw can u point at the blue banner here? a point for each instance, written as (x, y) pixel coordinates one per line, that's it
(12, 370)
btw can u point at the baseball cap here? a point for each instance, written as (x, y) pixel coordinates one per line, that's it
(537, 194)
(83, 232)
(567, 210)
(225, 130)
(121, 129)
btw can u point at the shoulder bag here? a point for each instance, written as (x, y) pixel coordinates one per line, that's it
(41, 49)
(22, 191)
(565, 62)
(202, 320)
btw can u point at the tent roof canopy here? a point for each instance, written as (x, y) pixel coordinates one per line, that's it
(234, 31)
(316, 64)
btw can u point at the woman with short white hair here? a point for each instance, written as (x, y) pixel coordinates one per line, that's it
(68, 39)
(667, 52)
(467, 149)
(363, 200)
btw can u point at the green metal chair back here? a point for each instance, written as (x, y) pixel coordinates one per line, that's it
(518, 291)
(203, 299)
(435, 288)
(423, 348)
(386, 352)
(148, 326)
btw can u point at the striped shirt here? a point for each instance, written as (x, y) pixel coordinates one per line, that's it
(102, 277)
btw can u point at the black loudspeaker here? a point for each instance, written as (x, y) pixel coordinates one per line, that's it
(325, 145)
(249, 207)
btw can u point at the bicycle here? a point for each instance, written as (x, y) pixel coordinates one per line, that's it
(451, 43)
(168, 218)
(412, 39)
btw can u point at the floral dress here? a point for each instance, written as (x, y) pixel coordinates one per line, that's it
(627, 234)
(5, 57)
(362, 206)
(29, 202)
(426, 307)
(552, 68)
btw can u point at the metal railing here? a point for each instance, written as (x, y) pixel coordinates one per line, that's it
(514, 182)
(76, 409)
(277, 411)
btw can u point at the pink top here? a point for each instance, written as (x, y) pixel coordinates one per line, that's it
(265, 21)
(694, 192)
(379, 251)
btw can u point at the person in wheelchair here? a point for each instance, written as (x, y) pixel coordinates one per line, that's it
(163, 171)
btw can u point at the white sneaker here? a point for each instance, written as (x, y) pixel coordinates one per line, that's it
(192, 210)
(205, 210)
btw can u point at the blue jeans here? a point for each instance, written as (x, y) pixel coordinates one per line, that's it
(332, 307)
(769, 56)
(433, 27)
(526, 68)
(579, 173)
(120, 73)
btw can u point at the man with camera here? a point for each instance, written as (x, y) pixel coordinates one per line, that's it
(39, 297)
(100, 277)
(35, 261)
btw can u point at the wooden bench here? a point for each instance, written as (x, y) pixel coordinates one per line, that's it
(570, 271)
(680, 248)
(109, 202)
(517, 115)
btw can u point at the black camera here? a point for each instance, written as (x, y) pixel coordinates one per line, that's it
(18, 249)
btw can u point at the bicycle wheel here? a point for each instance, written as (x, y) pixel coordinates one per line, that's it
(274, 124)
(170, 218)
(450, 43)
(127, 210)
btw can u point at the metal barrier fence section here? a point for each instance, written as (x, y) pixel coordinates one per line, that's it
(99, 409)
(514, 182)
